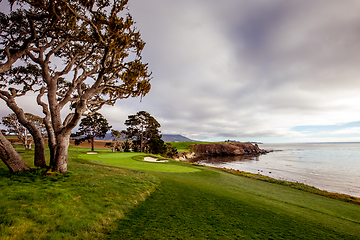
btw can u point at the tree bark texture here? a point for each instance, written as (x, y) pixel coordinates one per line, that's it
(13, 58)
(61, 153)
(48, 126)
(51, 139)
(52, 148)
(10, 157)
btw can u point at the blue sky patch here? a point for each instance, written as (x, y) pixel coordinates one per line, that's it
(325, 128)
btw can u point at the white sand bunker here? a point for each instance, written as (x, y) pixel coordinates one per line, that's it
(151, 159)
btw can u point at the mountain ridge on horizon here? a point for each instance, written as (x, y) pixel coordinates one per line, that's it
(165, 138)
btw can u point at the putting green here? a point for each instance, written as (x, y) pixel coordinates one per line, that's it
(134, 161)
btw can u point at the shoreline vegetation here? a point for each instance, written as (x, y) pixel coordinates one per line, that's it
(120, 196)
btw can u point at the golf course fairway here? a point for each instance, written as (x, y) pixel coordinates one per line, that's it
(196, 202)
(135, 161)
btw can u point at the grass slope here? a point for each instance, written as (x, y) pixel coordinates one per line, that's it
(184, 146)
(217, 205)
(96, 201)
(82, 204)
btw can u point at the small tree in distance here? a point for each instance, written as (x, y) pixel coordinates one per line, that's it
(171, 151)
(14, 127)
(143, 129)
(90, 127)
(116, 142)
(156, 145)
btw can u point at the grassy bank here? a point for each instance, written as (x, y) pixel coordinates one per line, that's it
(140, 200)
(216, 205)
(296, 185)
(82, 204)
(184, 146)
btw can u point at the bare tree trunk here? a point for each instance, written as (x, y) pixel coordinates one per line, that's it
(61, 153)
(51, 140)
(48, 126)
(62, 133)
(52, 147)
(10, 157)
(141, 142)
(29, 145)
(121, 147)
(27, 142)
(92, 143)
(39, 154)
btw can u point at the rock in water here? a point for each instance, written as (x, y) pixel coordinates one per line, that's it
(227, 149)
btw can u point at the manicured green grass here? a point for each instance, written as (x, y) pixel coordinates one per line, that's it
(97, 201)
(135, 161)
(215, 205)
(184, 146)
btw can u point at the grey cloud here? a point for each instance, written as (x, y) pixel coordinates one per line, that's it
(247, 69)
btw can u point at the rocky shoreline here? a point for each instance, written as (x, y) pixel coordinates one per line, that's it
(221, 149)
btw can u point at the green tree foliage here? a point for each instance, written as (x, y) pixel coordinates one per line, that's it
(127, 146)
(171, 151)
(143, 130)
(91, 127)
(100, 50)
(156, 145)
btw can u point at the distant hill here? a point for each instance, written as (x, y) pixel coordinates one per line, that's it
(175, 138)
(106, 138)
(165, 138)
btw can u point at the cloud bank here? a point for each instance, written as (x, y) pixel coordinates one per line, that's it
(248, 70)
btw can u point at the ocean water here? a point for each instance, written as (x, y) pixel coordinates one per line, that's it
(334, 167)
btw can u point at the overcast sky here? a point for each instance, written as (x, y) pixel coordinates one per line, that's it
(249, 70)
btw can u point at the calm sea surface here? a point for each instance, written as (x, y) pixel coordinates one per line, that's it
(334, 167)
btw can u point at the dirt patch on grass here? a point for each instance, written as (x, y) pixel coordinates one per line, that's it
(97, 144)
